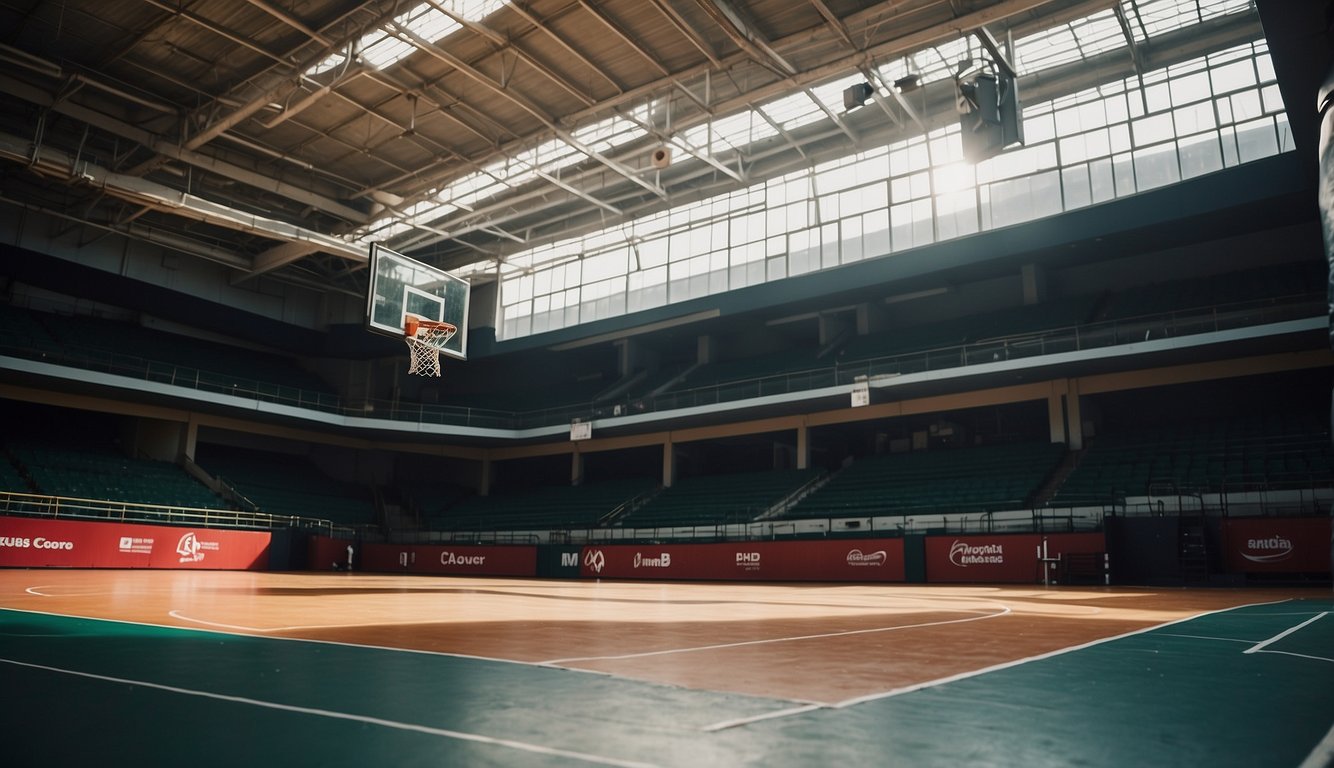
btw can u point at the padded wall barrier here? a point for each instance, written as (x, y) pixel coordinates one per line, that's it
(838, 560)
(44, 543)
(1296, 545)
(1013, 558)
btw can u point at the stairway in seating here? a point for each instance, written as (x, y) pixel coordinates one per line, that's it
(1193, 550)
(1058, 476)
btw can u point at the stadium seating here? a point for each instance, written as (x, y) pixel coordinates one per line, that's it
(10, 477)
(1258, 451)
(974, 479)
(546, 508)
(1285, 281)
(107, 475)
(20, 331)
(949, 334)
(717, 499)
(131, 350)
(288, 485)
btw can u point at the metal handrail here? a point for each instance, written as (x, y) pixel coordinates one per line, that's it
(42, 505)
(1014, 346)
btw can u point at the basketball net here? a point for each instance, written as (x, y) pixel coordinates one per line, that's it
(424, 339)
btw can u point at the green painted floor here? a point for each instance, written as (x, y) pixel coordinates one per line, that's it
(82, 691)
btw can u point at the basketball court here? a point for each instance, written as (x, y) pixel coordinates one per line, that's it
(224, 668)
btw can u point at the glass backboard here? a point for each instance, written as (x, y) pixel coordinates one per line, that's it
(400, 285)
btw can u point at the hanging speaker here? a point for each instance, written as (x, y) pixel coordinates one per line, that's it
(661, 157)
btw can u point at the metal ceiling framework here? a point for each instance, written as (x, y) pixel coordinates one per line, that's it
(263, 135)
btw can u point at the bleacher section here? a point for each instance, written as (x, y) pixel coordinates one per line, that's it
(949, 334)
(1266, 451)
(535, 397)
(105, 474)
(10, 477)
(540, 509)
(284, 484)
(131, 350)
(973, 479)
(1285, 281)
(19, 330)
(718, 499)
(426, 498)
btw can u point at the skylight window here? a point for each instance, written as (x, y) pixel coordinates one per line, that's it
(382, 47)
(1159, 16)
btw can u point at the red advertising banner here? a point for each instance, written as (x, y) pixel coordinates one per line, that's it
(455, 560)
(1012, 558)
(841, 560)
(42, 543)
(1277, 545)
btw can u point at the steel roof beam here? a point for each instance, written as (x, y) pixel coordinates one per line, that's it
(290, 21)
(570, 50)
(169, 149)
(523, 103)
(680, 24)
(500, 43)
(624, 37)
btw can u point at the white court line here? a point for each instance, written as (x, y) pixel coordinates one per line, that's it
(1323, 754)
(1300, 655)
(443, 732)
(776, 714)
(974, 673)
(1203, 637)
(262, 630)
(390, 649)
(555, 662)
(420, 651)
(1260, 646)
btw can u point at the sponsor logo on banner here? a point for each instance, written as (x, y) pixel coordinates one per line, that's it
(748, 561)
(17, 542)
(860, 559)
(136, 545)
(964, 554)
(1271, 550)
(595, 560)
(449, 558)
(192, 550)
(663, 560)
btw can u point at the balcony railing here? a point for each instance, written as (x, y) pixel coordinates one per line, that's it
(839, 372)
(64, 507)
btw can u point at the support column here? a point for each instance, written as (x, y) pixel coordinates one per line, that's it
(1073, 417)
(625, 356)
(189, 438)
(803, 447)
(1034, 279)
(484, 477)
(1056, 410)
(704, 350)
(576, 466)
(668, 463)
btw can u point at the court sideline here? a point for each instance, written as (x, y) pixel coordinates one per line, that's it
(344, 668)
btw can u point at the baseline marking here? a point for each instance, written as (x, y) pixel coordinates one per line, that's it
(443, 732)
(365, 646)
(261, 630)
(1261, 645)
(1203, 637)
(1323, 754)
(974, 673)
(767, 641)
(1298, 655)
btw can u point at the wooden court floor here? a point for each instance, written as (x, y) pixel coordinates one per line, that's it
(356, 669)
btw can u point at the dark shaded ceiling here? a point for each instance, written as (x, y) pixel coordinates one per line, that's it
(278, 137)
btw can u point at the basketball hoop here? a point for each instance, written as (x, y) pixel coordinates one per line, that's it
(425, 338)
